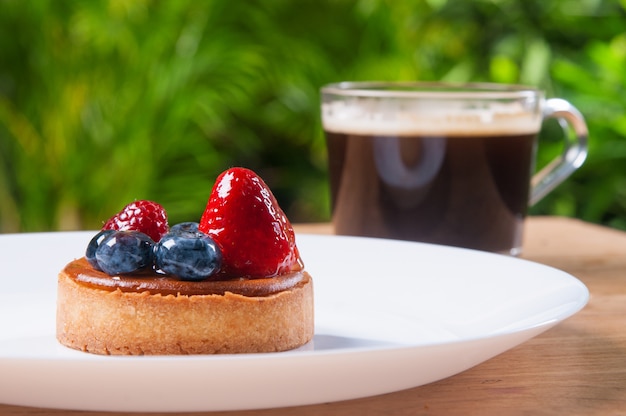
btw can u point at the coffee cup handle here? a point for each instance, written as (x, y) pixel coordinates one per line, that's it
(574, 148)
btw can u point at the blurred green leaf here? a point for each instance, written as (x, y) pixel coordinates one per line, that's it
(106, 101)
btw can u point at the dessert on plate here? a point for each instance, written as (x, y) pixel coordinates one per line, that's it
(233, 282)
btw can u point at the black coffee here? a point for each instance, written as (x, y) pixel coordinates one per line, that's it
(466, 191)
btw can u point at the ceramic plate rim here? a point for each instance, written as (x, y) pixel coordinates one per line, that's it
(506, 338)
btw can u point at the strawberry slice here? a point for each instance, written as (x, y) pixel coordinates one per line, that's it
(253, 232)
(145, 216)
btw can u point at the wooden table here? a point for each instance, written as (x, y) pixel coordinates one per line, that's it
(575, 368)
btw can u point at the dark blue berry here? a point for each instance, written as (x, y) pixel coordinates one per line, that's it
(124, 252)
(93, 245)
(185, 228)
(187, 255)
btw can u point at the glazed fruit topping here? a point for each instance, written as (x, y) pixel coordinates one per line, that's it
(145, 216)
(187, 253)
(92, 247)
(254, 234)
(243, 233)
(120, 252)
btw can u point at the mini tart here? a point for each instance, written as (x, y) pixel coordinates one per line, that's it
(149, 314)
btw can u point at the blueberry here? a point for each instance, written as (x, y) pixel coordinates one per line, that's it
(187, 255)
(185, 228)
(93, 245)
(124, 252)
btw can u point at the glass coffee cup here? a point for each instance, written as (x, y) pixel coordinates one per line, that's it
(442, 163)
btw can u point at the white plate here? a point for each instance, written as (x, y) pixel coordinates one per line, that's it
(390, 315)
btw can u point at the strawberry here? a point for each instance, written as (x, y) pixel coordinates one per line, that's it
(145, 216)
(254, 234)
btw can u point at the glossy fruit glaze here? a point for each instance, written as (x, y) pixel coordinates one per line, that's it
(145, 216)
(252, 231)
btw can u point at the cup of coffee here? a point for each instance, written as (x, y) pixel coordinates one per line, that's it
(442, 163)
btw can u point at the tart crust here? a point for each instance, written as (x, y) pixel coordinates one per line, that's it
(115, 322)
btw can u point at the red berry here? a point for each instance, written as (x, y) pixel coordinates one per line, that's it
(253, 232)
(145, 216)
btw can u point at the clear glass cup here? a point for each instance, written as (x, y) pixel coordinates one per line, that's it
(442, 163)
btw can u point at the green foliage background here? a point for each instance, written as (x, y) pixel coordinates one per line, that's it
(107, 101)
